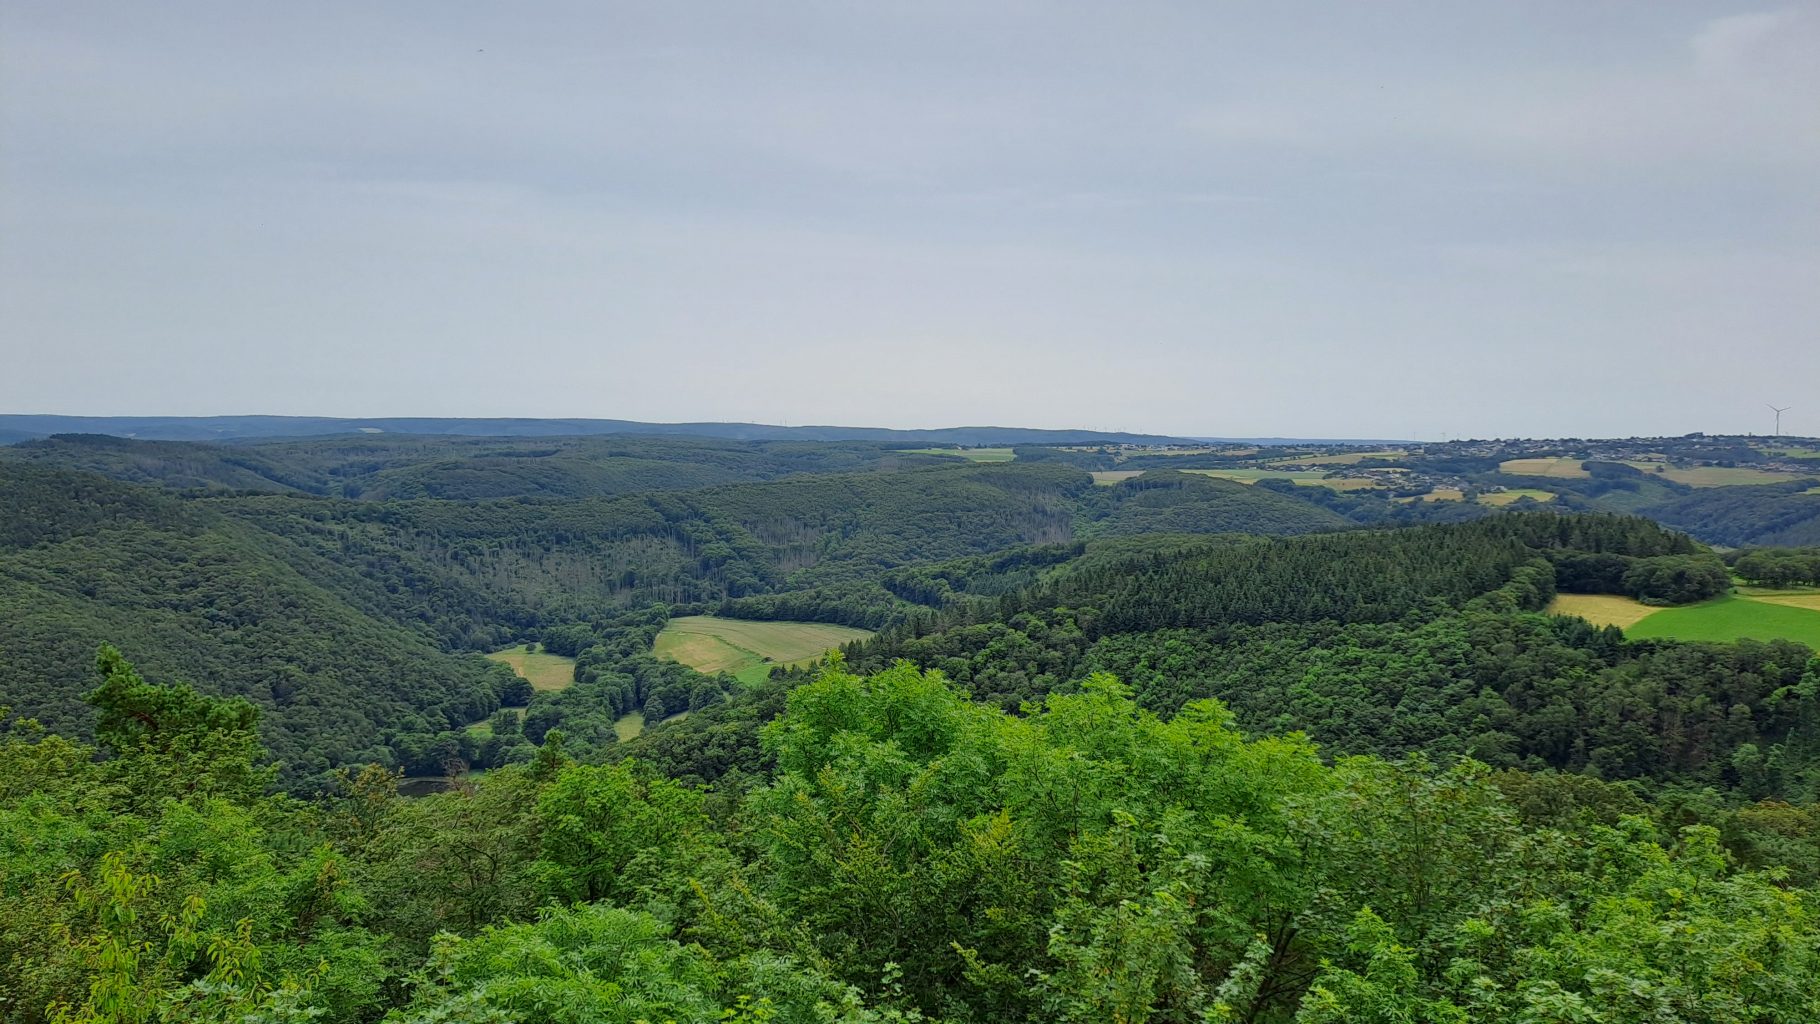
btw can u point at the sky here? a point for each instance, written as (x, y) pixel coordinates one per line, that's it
(1385, 219)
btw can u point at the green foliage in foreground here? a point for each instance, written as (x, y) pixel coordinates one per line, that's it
(913, 855)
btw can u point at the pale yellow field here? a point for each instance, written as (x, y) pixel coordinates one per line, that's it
(1807, 598)
(748, 648)
(1543, 467)
(1602, 609)
(1303, 477)
(1515, 495)
(543, 671)
(1108, 477)
(1445, 494)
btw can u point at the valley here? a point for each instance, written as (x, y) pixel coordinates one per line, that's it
(541, 690)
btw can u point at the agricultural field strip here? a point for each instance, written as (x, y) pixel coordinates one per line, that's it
(1744, 615)
(1346, 459)
(1602, 609)
(1516, 494)
(699, 640)
(1809, 599)
(542, 670)
(1304, 477)
(1561, 467)
(970, 454)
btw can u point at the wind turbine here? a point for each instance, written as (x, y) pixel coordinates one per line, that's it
(1779, 413)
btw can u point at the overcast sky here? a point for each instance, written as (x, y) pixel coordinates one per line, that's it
(1340, 219)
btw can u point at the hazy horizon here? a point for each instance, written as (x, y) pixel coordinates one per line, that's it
(1402, 220)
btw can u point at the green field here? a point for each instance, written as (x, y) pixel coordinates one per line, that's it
(1563, 467)
(631, 725)
(1731, 617)
(1303, 477)
(746, 648)
(1753, 613)
(1347, 459)
(1108, 477)
(1514, 495)
(1803, 597)
(970, 454)
(543, 671)
(483, 729)
(1716, 476)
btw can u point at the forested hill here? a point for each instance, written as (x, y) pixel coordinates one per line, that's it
(1413, 798)
(1396, 642)
(380, 468)
(349, 619)
(1785, 515)
(216, 428)
(199, 595)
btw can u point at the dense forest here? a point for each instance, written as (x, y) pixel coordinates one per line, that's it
(354, 622)
(1169, 749)
(909, 855)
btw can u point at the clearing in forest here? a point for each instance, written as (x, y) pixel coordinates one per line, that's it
(970, 454)
(1108, 477)
(1304, 477)
(1717, 476)
(542, 670)
(1732, 617)
(1805, 597)
(1346, 459)
(1543, 467)
(1751, 614)
(631, 725)
(1514, 495)
(748, 648)
(1603, 609)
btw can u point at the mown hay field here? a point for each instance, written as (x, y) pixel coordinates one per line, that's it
(542, 670)
(748, 648)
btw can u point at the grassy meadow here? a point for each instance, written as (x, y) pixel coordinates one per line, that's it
(1750, 614)
(1732, 617)
(1805, 597)
(970, 454)
(1514, 495)
(1716, 476)
(1558, 467)
(1304, 477)
(543, 671)
(1108, 477)
(1347, 459)
(746, 648)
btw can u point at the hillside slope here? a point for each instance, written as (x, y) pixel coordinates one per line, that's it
(188, 593)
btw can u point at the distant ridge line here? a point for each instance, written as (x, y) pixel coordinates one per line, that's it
(26, 427)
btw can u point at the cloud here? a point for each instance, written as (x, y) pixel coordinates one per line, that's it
(1173, 217)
